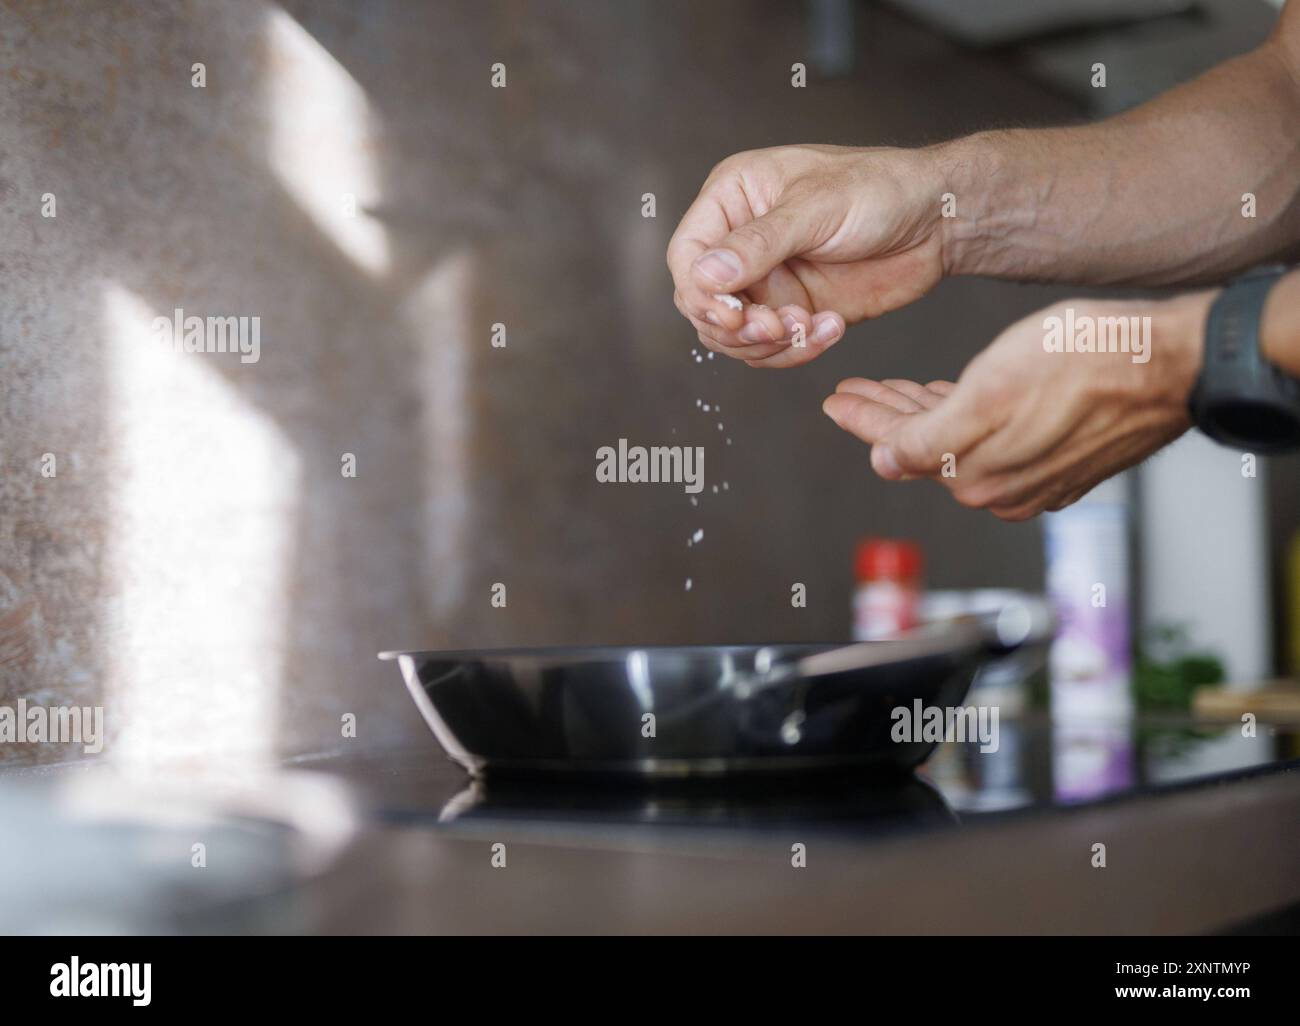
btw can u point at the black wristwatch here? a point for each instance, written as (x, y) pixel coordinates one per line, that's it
(1240, 398)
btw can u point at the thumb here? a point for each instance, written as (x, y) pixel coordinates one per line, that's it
(919, 444)
(751, 251)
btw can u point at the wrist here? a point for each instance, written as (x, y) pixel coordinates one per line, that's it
(1178, 344)
(1279, 333)
(965, 173)
(953, 168)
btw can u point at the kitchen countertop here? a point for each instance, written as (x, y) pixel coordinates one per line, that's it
(1201, 829)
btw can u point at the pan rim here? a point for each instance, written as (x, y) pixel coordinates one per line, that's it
(584, 653)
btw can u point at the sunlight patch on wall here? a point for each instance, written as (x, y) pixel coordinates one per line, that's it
(322, 141)
(203, 509)
(439, 323)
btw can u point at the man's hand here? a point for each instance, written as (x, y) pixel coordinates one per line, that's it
(1026, 430)
(812, 237)
(809, 238)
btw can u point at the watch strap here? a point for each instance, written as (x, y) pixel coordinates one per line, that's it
(1240, 398)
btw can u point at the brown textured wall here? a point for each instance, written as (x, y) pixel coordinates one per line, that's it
(200, 566)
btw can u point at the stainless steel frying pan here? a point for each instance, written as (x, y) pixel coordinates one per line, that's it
(702, 710)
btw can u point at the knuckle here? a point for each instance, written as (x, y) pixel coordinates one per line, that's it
(729, 164)
(913, 452)
(758, 234)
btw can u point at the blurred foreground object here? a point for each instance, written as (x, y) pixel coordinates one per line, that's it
(1088, 581)
(888, 597)
(98, 854)
(1167, 672)
(1275, 701)
(1293, 603)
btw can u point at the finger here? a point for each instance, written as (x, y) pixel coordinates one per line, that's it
(717, 338)
(703, 223)
(780, 287)
(1015, 514)
(729, 343)
(685, 311)
(921, 444)
(752, 350)
(709, 343)
(709, 316)
(941, 387)
(879, 392)
(758, 354)
(724, 342)
(682, 308)
(869, 421)
(828, 328)
(915, 391)
(750, 251)
(762, 324)
(1066, 498)
(797, 324)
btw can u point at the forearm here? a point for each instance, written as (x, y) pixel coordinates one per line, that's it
(1151, 197)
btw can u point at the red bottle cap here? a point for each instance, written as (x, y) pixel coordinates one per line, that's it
(888, 559)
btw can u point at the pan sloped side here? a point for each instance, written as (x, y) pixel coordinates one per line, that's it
(671, 712)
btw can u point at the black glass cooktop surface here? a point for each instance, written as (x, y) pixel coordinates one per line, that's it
(1036, 765)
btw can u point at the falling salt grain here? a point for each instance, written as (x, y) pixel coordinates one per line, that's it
(726, 487)
(728, 300)
(698, 402)
(719, 425)
(688, 584)
(698, 536)
(715, 488)
(694, 501)
(710, 354)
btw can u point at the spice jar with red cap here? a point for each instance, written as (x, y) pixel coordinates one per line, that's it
(888, 597)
